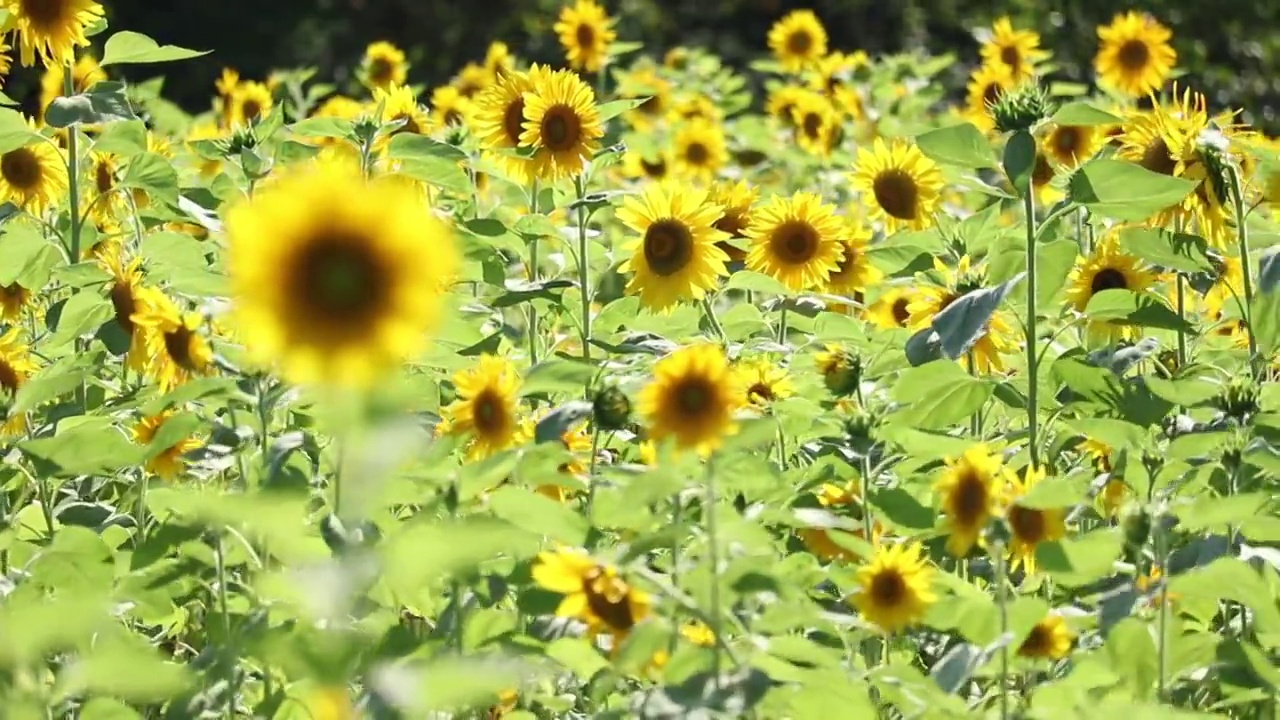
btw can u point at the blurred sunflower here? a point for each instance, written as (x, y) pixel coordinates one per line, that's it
(1227, 287)
(700, 150)
(577, 442)
(383, 65)
(339, 106)
(14, 300)
(840, 369)
(891, 309)
(33, 177)
(449, 107)
(854, 273)
(817, 124)
(226, 85)
(585, 32)
(696, 106)
(895, 589)
(929, 300)
(1107, 268)
(471, 80)
(645, 82)
(823, 542)
(562, 121)
(1043, 174)
(737, 199)
(104, 173)
(593, 592)
(125, 292)
(764, 382)
(986, 85)
(795, 240)
(1030, 526)
(84, 75)
(399, 104)
(168, 462)
(209, 167)
(675, 257)
(499, 123)
(899, 184)
(692, 398)
(833, 77)
(1017, 51)
(250, 102)
(1069, 146)
(1134, 56)
(1049, 639)
(176, 349)
(498, 59)
(51, 28)
(798, 40)
(16, 366)
(782, 101)
(327, 268)
(638, 165)
(970, 493)
(485, 410)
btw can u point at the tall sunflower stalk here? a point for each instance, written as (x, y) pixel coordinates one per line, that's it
(1242, 237)
(584, 266)
(73, 163)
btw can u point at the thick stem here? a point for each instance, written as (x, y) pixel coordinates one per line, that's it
(1182, 313)
(865, 471)
(1163, 598)
(713, 543)
(220, 567)
(1003, 603)
(1033, 359)
(584, 268)
(677, 539)
(1242, 235)
(709, 310)
(73, 166)
(782, 323)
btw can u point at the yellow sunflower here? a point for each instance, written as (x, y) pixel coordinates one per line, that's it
(1069, 146)
(562, 122)
(577, 442)
(329, 273)
(499, 123)
(383, 65)
(485, 411)
(209, 167)
(764, 382)
(929, 300)
(1107, 268)
(854, 273)
(250, 102)
(1030, 526)
(51, 28)
(696, 106)
(1134, 56)
(833, 77)
(1049, 639)
(675, 256)
(16, 366)
(1228, 286)
(169, 463)
(895, 589)
(84, 74)
(176, 349)
(891, 309)
(1017, 51)
(700, 150)
(104, 173)
(399, 104)
(900, 186)
(125, 292)
(33, 177)
(840, 369)
(970, 492)
(692, 398)
(449, 107)
(593, 592)
(796, 240)
(498, 59)
(645, 82)
(639, 165)
(14, 300)
(817, 124)
(798, 40)
(737, 199)
(782, 101)
(585, 32)
(986, 85)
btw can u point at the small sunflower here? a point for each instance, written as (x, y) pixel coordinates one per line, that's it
(168, 464)
(51, 28)
(896, 587)
(593, 592)
(970, 493)
(84, 74)
(383, 65)
(16, 366)
(562, 122)
(449, 107)
(485, 411)
(126, 292)
(33, 177)
(1098, 452)
(676, 256)
(14, 301)
(1017, 51)
(985, 87)
(929, 300)
(899, 184)
(782, 101)
(399, 104)
(891, 309)
(798, 40)
(585, 32)
(176, 349)
(1030, 526)
(764, 382)
(833, 77)
(817, 124)
(1107, 268)
(329, 272)
(700, 150)
(696, 106)
(796, 240)
(638, 165)
(499, 123)
(737, 199)
(250, 102)
(1069, 146)
(498, 59)
(645, 82)
(1049, 639)
(1134, 56)
(841, 370)
(854, 274)
(692, 398)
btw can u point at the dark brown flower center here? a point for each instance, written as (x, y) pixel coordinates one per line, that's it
(991, 93)
(488, 414)
(380, 71)
(609, 600)
(900, 313)
(337, 281)
(1010, 56)
(693, 396)
(697, 154)
(513, 120)
(1038, 643)
(561, 128)
(896, 193)
(668, 247)
(452, 117)
(1028, 524)
(123, 302)
(586, 36)
(1067, 140)
(1108, 279)
(8, 377)
(969, 499)
(21, 169)
(44, 13)
(656, 170)
(799, 42)
(811, 124)
(760, 393)
(1134, 55)
(104, 178)
(794, 242)
(888, 588)
(733, 222)
(251, 109)
(177, 345)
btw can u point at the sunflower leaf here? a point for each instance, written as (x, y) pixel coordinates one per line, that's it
(153, 173)
(88, 449)
(962, 145)
(613, 109)
(756, 282)
(411, 146)
(558, 421)
(1125, 191)
(1020, 161)
(539, 515)
(1125, 307)
(330, 127)
(1169, 250)
(131, 48)
(938, 394)
(80, 315)
(1266, 322)
(1081, 113)
(105, 102)
(1269, 272)
(965, 320)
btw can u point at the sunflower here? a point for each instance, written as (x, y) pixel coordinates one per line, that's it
(645, 82)
(498, 59)
(51, 28)
(1134, 56)
(1017, 51)
(1098, 452)
(930, 300)
(782, 100)
(900, 185)
(1107, 268)
(833, 77)
(471, 80)
(896, 587)
(764, 382)
(16, 366)
(383, 65)
(1030, 526)
(970, 492)
(577, 442)
(1068, 146)
(176, 350)
(449, 107)
(639, 165)
(1042, 175)
(1228, 286)
(798, 40)
(251, 102)
(106, 241)
(168, 464)
(209, 167)
(486, 406)
(1050, 639)
(675, 256)
(14, 300)
(891, 309)
(84, 74)
(499, 122)
(126, 292)
(692, 398)
(700, 150)
(696, 106)
(985, 87)
(593, 592)
(841, 370)
(796, 240)
(328, 268)
(33, 177)
(737, 199)
(104, 173)
(817, 124)
(854, 274)
(562, 122)
(586, 32)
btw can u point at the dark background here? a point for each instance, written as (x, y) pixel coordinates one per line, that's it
(1230, 48)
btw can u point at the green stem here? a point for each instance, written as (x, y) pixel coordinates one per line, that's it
(591, 471)
(533, 276)
(584, 267)
(713, 541)
(709, 310)
(782, 323)
(1003, 603)
(1182, 314)
(1033, 389)
(141, 518)
(865, 470)
(1242, 235)
(1162, 649)
(677, 538)
(220, 567)
(73, 166)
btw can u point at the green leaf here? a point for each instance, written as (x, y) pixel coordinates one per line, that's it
(1229, 578)
(82, 314)
(1269, 272)
(1080, 560)
(105, 708)
(963, 145)
(51, 383)
(104, 103)
(81, 275)
(899, 509)
(15, 132)
(26, 256)
(906, 253)
(125, 666)
(1170, 250)
(1187, 389)
(1020, 161)
(938, 394)
(1132, 652)
(441, 172)
(577, 656)
(614, 108)
(1053, 268)
(125, 139)
(965, 320)
(757, 282)
(519, 292)
(331, 128)
(89, 449)
(153, 173)
(1266, 322)
(1080, 113)
(410, 146)
(538, 514)
(1056, 491)
(1211, 513)
(1126, 307)
(1125, 191)
(131, 48)
(557, 376)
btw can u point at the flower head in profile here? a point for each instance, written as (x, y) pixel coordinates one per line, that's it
(593, 592)
(1049, 639)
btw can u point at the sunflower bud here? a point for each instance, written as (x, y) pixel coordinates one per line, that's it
(1239, 401)
(1136, 524)
(861, 428)
(1021, 108)
(365, 129)
(611, 408)
(244, 137)
(841, 370)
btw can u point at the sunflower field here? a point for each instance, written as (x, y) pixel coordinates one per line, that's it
(641, 387)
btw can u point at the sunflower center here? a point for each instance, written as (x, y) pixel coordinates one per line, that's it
(896, 193)
(21, 169)
(1134, 55)
(586, 36)
(1027, 524)
(969, 499)
(693, 396)
(380, 71)
(848, 262)
(452, 117)
(811, 124)
(733, 223)
(697, 154)
(488, 413)
(888, 588)
(799, 42)
(652, 106)
(8, 377)
(1157, 158)
(104, 178)
(760, 392)
(608, 599)
(1010, 56)
(410, 124)
(338, 280)
(668, 246)
(252, 109)
(177, 345)
(125, 307)
(561, 129)
(1037, 643)
(1066, 140)
(900, 313)
(654, 169)
(1042, 173)
(44, 13)
(794, 242)
(1108, 279)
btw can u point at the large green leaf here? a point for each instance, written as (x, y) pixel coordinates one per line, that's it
(1170, 250)
(104, 103)
(1080, 560)
(90, 449)
(963, 145)
(938, 394)
(1133, 656)
(1019, 161)
(1081, 113)
(539, 514)
(153, 173)
(1125, 191)
(1126, 307)
(131, 48)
